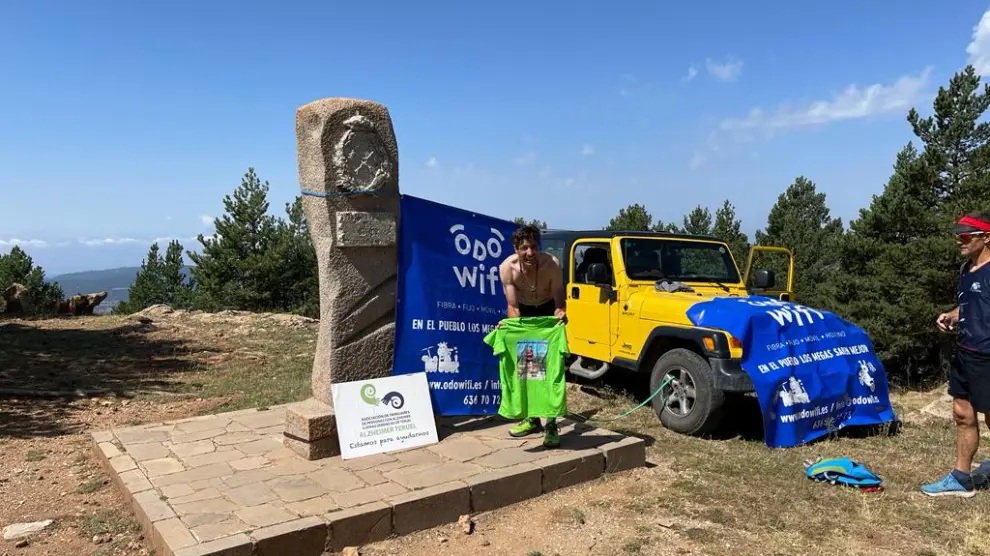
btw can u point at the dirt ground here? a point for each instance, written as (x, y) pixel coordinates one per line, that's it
(723, 495)
(60, 378)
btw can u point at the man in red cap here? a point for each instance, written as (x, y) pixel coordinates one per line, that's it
(969, 378)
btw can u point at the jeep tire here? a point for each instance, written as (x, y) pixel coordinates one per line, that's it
(706, 411)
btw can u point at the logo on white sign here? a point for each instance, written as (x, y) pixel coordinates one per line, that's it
(475, 276)
(400, 419)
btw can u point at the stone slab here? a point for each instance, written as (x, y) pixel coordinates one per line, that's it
(275, 502)
(319, 449)
(234, 545)
(302, 537)
(359, 525)
(429, 507)
(625, 454)
(171, 535)
(571, 468)
(310, 420)
(506, 486)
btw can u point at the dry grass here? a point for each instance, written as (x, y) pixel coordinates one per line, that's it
(728, 495)
(129, 373)
(731, 495)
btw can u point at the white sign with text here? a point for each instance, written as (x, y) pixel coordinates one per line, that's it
(384, 414)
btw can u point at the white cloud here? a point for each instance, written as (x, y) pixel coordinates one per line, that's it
(98, 242)
(852, 103)
(432, 162)
(978, 50)
(23, 242)
(525, 160)
(692, 72)
(726, 71)
(206, 219)
(109, 241)
(164, 241)
(588, 150)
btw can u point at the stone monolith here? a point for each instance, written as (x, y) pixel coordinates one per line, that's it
(349, 175)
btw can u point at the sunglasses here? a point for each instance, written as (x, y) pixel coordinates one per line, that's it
(967, 237)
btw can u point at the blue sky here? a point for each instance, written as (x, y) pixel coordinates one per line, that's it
(126, 122)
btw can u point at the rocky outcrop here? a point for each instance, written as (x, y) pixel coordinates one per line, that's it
(81, 304)
(17, 299)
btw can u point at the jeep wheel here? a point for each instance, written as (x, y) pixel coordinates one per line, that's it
(693, 405)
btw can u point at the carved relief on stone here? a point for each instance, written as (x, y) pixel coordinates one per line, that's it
(361, 160)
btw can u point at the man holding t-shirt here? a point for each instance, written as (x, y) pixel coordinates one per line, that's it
(969, 378)
(534, 287)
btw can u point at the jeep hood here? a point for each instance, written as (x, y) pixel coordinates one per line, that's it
(659, 306)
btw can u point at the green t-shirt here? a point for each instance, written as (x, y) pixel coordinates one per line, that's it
(531, 353)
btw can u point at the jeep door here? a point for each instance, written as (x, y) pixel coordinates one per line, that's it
(589, 310)
(775, 261)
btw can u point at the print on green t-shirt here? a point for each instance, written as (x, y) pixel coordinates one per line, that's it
(531, 353)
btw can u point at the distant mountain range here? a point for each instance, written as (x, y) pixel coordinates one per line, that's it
(116, 281)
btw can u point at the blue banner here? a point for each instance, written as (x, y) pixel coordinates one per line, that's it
(813, 371)
(449, 297)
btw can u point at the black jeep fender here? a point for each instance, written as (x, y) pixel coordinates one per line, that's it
(727, 374)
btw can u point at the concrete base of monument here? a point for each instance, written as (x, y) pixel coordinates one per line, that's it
(311, 429)
(226, 483)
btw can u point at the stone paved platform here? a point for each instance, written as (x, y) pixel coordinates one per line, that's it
(224, 484)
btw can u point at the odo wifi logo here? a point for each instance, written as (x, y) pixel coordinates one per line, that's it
(482, 275)
(392, 399)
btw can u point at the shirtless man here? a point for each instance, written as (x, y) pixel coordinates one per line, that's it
(532, 280)
(534, 287)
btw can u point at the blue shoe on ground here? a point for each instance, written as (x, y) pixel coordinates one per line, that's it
(948, 486)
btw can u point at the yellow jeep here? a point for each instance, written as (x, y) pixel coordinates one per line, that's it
(626, 305)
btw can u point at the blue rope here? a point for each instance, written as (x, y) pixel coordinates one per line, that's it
(350, 193)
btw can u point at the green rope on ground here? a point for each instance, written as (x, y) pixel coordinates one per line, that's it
(663, 384)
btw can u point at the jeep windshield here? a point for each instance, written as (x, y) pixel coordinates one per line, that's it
(656, 259)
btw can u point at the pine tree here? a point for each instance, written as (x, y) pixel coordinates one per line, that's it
(299, 274)
(698, 222)
(147, 288)
(179, 291)
(18, 267)
(800, 221)
(899, 264)
(238, 267)
(956, 143)
(632, 218)
(895, 276)
(160, 281)
(541, 224)
(729, 229)
(668, 227)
